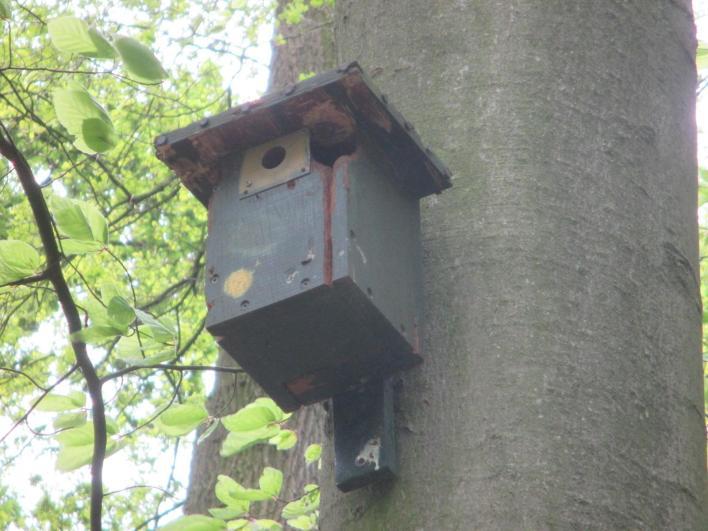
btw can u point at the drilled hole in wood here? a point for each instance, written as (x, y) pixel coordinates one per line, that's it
(245, 304)
(273, 157)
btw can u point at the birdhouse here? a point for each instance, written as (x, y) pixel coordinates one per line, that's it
(313, 257)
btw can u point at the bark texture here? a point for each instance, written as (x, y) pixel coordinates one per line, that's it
(305, 48)
(561, 387)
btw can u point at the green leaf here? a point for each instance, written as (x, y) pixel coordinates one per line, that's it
(73, 457)
(252, 417)
(17, 260)
(141, 63)
(143, 352)
(73, 35)
(313, 453)
(236, 442)
(71, 246)
(271, 481)
(266, 525)
(79, 220)
(76, 447)
(195, 522)
(73, 105)
(98, 135)
(305, 522)
(161, 331)
(69, 420)
(226, 513)
(702, 56)
(227, 490)
(80, 436)
(270, 404)
(5, 12)
(104, 49)
(240, 523)
(233, 494)
(181, 419)
(70, 34)
(285, 440)
(95, 334)
(307, 504)
(57, 403)
(120, 313)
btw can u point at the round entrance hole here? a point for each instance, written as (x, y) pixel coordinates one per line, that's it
(273, 157)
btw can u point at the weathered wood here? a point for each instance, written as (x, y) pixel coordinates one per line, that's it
(335, 106)
(314, 285)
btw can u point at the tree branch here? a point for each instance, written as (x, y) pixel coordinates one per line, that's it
(168, 367)
(55, 275)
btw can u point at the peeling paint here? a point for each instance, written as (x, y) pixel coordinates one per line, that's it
(361, 253)
(238, 283)
(290, 275)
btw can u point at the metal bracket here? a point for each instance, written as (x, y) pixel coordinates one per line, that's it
(275, 163)
(364, 435)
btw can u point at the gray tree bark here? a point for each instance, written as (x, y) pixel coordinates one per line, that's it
(562, 381)
(306, 47)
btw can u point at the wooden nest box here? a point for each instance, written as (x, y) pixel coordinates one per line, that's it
(313, 276)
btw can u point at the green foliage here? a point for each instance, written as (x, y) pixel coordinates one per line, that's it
(140, 62)
(257, 423)
(73, 35)
(82, 224)
(76, 447)
(17, 260)
(313, 453)
(303, 513)
(5, 12)
(55, 402)
(181, 419)
(195, 522)
(702, 56)
(74, 106)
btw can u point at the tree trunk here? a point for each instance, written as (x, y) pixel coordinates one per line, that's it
(562, 385)
(305, 48)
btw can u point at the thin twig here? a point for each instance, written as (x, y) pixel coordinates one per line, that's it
(168, 367)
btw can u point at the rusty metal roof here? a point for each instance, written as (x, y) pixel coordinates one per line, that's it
(332, 105)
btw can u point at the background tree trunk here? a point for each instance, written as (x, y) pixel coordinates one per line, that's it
(306, 47)
(562, 383)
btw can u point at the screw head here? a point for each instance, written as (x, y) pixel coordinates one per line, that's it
(289, 89)
(204, 122)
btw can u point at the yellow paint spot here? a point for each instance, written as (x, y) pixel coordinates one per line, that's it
(238, 283)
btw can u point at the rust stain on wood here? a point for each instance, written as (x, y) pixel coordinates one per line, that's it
(327, 210)
(301, 385)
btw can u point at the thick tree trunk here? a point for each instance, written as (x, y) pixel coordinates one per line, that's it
(305, 48)
(561, 387)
